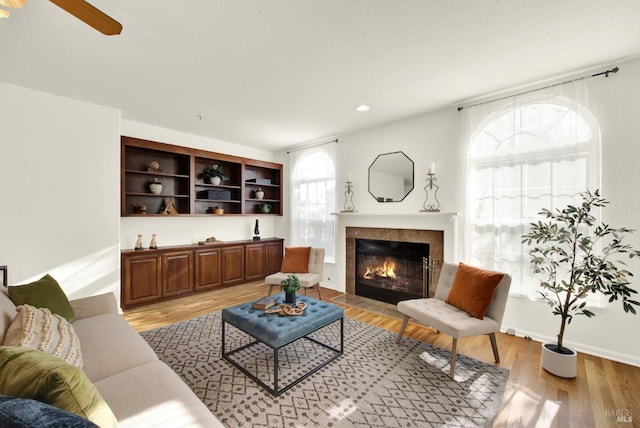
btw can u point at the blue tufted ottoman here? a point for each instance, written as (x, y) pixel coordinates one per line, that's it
(277, 331)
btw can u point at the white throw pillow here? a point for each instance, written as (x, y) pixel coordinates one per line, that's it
(38, 328)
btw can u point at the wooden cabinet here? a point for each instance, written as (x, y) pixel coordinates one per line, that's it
(233, 265)
(177, 273)
(274, 251)
(141, 280)
(180, 171)
(208, 270)
(150, 276)
(255, 261)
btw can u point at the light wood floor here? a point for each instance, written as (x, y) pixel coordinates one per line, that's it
(533, 398)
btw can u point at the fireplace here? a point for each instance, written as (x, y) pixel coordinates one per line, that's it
(391, 271)
(432, 240)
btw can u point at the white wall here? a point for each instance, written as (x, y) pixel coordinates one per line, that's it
(59, 175)
(436, 137)
(190, 230)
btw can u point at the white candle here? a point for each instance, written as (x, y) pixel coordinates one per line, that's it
(432, 168)
(349, 177)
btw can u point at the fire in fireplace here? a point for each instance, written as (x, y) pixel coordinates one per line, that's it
(391, 271)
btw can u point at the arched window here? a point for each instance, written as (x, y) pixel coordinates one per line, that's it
(313, 199)
(539, 152)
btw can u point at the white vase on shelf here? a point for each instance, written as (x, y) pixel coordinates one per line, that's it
(259, 193)
(155, 187)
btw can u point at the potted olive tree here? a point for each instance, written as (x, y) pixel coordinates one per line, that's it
(577, 256)
(214, 174)
(290, 285)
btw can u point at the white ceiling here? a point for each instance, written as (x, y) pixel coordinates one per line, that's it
(275, 73)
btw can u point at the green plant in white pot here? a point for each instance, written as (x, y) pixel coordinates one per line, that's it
(578, 256)
(290, 285)
(214, 174)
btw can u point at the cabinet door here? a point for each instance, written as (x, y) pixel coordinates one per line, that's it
(274, 257)
(232, 265)
(255, 262)
(208, 272)
(177, 273)
(141, 279)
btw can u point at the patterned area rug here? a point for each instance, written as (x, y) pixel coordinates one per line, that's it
(376, 383)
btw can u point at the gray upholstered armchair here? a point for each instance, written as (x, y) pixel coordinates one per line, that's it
(307, 279)
(451, 320)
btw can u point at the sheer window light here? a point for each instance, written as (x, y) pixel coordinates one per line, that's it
(313, 197)
(524, 154)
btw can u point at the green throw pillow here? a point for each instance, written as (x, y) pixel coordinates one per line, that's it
(43, 293)
(29, 373)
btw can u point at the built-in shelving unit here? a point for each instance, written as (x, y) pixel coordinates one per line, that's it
(179, 170)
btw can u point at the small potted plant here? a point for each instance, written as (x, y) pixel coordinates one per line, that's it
(577, 256)
(290, 285)
(214, 174)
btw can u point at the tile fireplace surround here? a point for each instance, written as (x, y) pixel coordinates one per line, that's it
(435, 239)
(440, 230)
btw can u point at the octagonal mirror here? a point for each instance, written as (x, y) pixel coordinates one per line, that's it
(391, 177)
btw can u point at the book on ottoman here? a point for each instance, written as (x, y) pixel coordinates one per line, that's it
(265, 302)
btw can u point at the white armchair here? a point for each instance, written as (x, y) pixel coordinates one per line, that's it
(307, 279)
(449, 319)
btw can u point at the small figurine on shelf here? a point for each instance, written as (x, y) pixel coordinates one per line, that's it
(154, 167)
(139, 243)
(153, 245)
(170, 209)
(256, 232)
(139, 209)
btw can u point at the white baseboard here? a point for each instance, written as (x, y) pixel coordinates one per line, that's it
(633, 360)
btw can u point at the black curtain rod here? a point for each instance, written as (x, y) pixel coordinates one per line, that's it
(312, 145)
(606, 74)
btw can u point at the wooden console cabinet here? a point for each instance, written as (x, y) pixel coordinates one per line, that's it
(149, 276)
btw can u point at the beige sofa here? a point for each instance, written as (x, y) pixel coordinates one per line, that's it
(141, 390)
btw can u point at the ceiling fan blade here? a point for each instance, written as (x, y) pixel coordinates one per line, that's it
(90, 15)
(13, 3)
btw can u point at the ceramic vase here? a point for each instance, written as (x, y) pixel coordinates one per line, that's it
(265, 208)
(155, 187)
(215, 180)
(561, 365)
(259, 193)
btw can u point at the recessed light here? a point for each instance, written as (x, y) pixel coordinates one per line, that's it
(363, 107)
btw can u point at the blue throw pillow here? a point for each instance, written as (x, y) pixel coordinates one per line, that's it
(16, 412)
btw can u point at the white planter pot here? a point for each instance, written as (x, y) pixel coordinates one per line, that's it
(561, 365)
(215, 180)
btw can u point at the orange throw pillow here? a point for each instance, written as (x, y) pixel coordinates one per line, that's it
(296, 260)
(473, 289)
